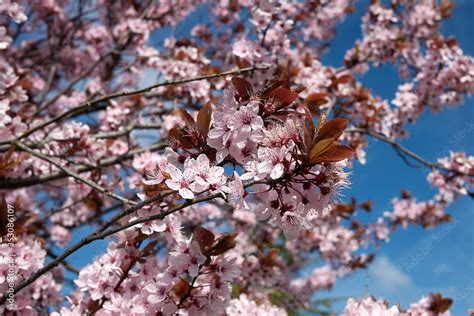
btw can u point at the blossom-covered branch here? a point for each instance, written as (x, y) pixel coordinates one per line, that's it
(90, 106)
(210, 154)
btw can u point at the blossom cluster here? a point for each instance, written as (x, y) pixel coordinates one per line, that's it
(431, 305)
(26, 257)
(453, 180)
(245, 130)
(457, 181)
(408, 211)
(128, 280)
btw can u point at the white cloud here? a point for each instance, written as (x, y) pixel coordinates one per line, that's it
(441, 268)
(388, 276)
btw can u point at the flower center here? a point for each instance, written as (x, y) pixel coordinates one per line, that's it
(246, 118)
(183, 183)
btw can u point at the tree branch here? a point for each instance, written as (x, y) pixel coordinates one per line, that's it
(119, 47)
(101, 233)
(11, 183)
(64, 263)
(83, 242)
(403, 150)
(75, 175)
(90, 105)
(127, 130)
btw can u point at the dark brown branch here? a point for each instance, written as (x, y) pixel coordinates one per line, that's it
(73, 174)
(114, 51)
(126, 130)
(403, 150)
(64, 263)
(124, 276)
(11, 183)
(83, 242)
(90, 105)
(102, 233)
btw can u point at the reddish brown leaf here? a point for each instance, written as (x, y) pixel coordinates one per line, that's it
(299, 89)
(16, 204)
(319, 148)
(24, 224)
(285, 96)
(209, 69)
(184, 115)
(152, 190)
(234, 5)
(181, 55)
(92, 203)
(444, 305)
(344, 208)
(359, 232)
(271, 258)
(270, 86)
(342, 79)
(445, 7)
(137, 97)
(367, 206)
(92, 305)
(439, 304)
(204, 237)
(243, 87)
(451, 42)
(316, 99)
(141, 236)
(25, 84)
(331, 129)
(359, 262)
(240, 28)
(223, 244)
(181, 288)
(8, 162)
(204, 117)
(406, 194)
(180, 136)
(334, 153)
(446, 218)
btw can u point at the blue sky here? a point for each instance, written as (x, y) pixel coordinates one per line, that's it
(415, 262)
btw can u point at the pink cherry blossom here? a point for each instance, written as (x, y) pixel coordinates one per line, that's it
(183, 182)
(205, 175)
(369, 306)
(246, 120)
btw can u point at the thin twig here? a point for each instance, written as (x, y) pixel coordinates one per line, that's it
(101, 233)
(64, 263)
(11, 183)
(116, 50)
(90, 105)
(123, 277)
(403, 150)
(75, 175)
(83, 242)
(127, 130)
